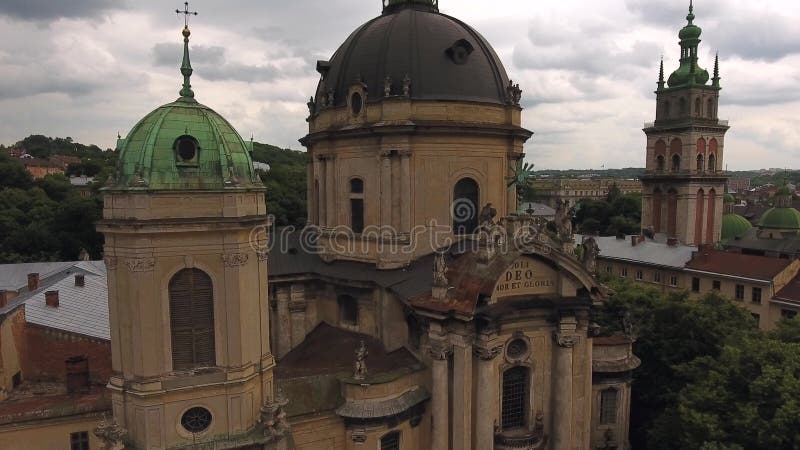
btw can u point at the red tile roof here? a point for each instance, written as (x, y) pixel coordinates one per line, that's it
(791, 291)
(737, 264)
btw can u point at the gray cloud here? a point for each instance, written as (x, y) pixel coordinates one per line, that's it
(765, 37)
(55, 9)
(210, 63)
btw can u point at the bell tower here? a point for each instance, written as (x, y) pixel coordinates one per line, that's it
(187, 282)
(684, 182)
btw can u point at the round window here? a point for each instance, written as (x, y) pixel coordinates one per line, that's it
(196, 420)
(187, 148)
(356, 103)
(517, 348)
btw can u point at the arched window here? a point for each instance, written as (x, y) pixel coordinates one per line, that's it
(683, 106)
(515, 398)
(657, 202)
(391, 441)
(348, 310)
(191, 312)
(712, 163)
(676, 163)
(710, 108)
(660, 163)
(466, 196)
(697, 107)
(672, 212)
(608, 406)
(701, 165)
(712, 207)
(698, 219)
(666, 109)
(357, 205)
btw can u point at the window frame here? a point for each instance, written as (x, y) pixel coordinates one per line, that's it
(349, 311)
(200, 328)
(384, 442)
(673, 281)
(755, 295)
(609, 411)
(515, 415)
(695, 284)
(739, 292)
(79, 440)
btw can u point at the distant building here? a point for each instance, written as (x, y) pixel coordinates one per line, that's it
(56, 354)
(776, 232)
(767, 287)
(40, 168)
(572, 190)
(539, 210)
(738, 185)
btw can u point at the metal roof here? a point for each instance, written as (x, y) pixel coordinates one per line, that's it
(648, 252)
(81, 310)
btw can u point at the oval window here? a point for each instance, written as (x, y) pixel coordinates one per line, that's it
(517, 348)
(356, 103)
(196, 420)
(187, 148)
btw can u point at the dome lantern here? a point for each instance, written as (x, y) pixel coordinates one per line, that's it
(390, 6)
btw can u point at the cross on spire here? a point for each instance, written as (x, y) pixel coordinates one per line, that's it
(186, 13)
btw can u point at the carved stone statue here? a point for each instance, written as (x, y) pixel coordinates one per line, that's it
(563, 222)
(312, 107)
(110, 434)
(407, 86)
(487, 215)
(627, 324)
(361, 365)
(590, 252)
(387, 87)
(513, 93)
(440, 271)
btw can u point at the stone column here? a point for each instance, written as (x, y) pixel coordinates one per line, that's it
(284, 322)
(565, 339)
(405, 192)
(330, 191)
(486, 396)
(440, 404)
(462, 394)
(297, 310)
(386, 188)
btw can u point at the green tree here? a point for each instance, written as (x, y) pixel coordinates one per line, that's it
(747, 396)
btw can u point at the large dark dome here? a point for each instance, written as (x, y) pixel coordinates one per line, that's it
(444, 58)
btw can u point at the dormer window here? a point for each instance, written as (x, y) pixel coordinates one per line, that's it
(186, 150)
(459, 52)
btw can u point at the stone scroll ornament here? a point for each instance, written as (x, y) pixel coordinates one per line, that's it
(110, 434)
(141, 264)
(235, 259)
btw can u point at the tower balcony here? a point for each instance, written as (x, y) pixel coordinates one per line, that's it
(521, 438)
(683, 174)
(688, 121)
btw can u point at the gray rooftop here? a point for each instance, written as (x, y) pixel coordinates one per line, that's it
(648, 252)
(81, 310)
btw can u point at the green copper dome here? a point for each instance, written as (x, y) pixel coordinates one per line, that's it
(689, 73)
(781, 219)
(184, 145)
(733, 226)
(728, 198)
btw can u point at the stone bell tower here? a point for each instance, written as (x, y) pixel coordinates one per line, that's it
(685, 182)
(187, 272)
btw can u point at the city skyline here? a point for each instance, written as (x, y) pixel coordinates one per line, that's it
(88, 69)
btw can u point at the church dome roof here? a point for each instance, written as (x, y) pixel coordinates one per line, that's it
(184, 145)
(733, 226)
(443, 58)
(781, 219)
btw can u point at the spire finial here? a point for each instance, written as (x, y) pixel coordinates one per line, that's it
(661, 74)
(690, 17)
(186, 67)
(715, 79)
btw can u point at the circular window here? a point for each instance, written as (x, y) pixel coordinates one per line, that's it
(196, 420)
(187, 148)
(356, 103)
(517, 348)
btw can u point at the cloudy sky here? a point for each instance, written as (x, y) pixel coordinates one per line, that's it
(91, 68)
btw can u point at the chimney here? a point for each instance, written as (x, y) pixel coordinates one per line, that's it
(51, 298)
(672, 242)
(80, 280)
(33, 281)
(3, 298)
(636, 239)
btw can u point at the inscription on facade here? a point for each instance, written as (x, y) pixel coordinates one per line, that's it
(526, 276)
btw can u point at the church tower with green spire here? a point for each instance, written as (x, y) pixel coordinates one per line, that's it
(186, 254)
(684, 182)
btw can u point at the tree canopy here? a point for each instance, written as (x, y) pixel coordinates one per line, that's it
(709, 379)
